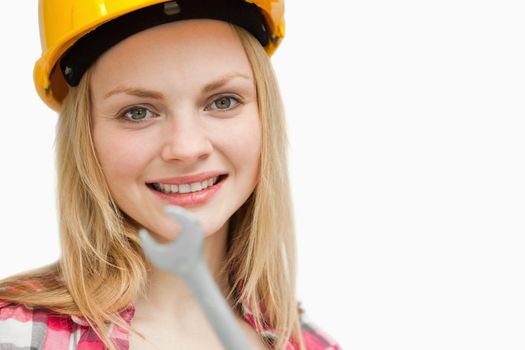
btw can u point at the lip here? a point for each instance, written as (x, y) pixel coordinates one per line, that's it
(190, 199)
(188, 179)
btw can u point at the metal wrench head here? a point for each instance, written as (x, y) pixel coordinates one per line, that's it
(180, 255)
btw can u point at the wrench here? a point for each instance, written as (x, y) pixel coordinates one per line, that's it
(184, 256)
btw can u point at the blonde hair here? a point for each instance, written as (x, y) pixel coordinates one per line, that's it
(102, 268)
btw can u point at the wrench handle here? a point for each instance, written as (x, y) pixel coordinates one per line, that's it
(204, 288)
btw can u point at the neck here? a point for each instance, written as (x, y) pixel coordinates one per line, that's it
(167, 293)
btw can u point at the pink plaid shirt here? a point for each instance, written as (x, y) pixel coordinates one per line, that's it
(23, 327)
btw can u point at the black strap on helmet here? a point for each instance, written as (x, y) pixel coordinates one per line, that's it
(76, 61)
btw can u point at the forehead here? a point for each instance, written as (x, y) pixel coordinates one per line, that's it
(186, 51)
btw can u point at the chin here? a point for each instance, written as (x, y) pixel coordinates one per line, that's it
(211, 229)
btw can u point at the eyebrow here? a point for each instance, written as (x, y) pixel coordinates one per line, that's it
(135, 92)
(214, 85)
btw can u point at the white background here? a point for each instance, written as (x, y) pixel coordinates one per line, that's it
(407, 154)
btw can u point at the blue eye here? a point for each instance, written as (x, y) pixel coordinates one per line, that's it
(137, 114)
(224, 103)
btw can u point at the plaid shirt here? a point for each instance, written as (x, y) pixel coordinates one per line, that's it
(23, 327)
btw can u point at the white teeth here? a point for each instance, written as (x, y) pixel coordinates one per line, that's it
(196, 186)
(185, 188)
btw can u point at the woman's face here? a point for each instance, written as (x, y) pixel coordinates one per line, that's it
(174, 106)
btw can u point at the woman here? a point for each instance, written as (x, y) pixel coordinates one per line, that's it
(162, 103)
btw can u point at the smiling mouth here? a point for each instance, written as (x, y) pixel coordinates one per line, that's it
(186, 188)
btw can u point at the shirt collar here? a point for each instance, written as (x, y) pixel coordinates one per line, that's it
(127, 315)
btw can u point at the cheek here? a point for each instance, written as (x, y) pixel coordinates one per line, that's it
(121, 154)
(244, 145)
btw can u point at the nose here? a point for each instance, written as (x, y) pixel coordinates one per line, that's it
(185, 140)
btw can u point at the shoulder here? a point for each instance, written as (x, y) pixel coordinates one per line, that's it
(315, 338)
(22, 326)
(17, 325)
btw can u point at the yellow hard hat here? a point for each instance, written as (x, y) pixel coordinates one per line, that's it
(74, 33)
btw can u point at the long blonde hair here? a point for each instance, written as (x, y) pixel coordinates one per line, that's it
(102, 269)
